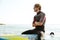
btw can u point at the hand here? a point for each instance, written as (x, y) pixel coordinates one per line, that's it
(33, 25)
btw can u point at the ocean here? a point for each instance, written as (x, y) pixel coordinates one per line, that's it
(17, 29)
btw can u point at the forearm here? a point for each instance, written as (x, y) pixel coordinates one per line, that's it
(38, 23)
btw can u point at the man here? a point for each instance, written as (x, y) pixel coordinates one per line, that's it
(38, 22)
(39, 19)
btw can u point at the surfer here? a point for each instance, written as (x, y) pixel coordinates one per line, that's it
(52, 34)
(38, 22)
(39, 19)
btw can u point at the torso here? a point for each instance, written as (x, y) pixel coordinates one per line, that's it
(38, 17)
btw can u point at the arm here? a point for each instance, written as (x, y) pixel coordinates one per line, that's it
(39, 23)
(33, 24)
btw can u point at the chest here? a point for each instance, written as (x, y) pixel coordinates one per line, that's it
(37, 17)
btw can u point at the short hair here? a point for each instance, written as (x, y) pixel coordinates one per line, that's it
(52, 33)
(37, 6)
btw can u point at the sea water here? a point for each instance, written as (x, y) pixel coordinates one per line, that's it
(18, 29)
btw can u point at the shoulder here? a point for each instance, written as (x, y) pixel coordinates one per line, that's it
(42, 13)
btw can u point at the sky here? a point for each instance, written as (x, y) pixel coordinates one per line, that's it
(21, 11)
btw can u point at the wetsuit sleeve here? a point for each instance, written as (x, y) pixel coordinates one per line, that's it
(34, 20)
(42, 17)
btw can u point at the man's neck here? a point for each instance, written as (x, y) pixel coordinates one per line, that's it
(38, 12)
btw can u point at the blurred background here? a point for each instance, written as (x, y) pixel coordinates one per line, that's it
(18, 15)
(19, 11)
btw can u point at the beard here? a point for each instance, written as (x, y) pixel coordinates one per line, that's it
(35, 10)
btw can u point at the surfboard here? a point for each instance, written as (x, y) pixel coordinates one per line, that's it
(19, 37)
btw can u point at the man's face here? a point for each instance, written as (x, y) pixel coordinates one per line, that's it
(36, 9)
